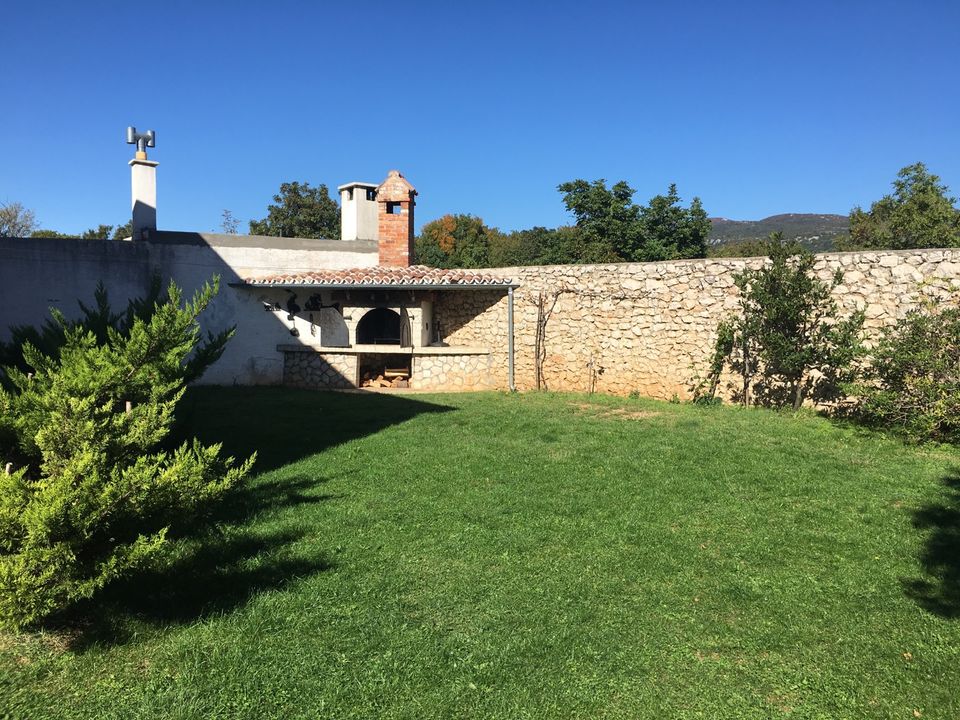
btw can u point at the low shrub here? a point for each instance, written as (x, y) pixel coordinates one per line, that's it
(912, 385)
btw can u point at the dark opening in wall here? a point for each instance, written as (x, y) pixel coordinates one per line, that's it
(393, 208)
(384, 370)
(380, 326)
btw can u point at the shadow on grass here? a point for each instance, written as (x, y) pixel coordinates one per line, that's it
(939, 590)
(213, 570)
(284, 425)
(218, 564)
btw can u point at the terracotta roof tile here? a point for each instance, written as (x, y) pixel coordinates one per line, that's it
(382, 276)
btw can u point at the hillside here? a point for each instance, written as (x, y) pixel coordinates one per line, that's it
(816, 231)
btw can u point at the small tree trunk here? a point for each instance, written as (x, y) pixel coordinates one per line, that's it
(797, 393)
(747, 373)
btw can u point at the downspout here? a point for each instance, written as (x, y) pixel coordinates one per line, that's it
(511, 384)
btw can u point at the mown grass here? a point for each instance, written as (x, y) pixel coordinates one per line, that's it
(530, 556)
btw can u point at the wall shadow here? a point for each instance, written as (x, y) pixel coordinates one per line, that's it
(219, 563)
(938, 591)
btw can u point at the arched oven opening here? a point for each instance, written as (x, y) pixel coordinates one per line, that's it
(380, 326)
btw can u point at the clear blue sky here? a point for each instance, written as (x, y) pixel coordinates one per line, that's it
(757, 107)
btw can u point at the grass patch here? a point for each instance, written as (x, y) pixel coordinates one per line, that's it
(530, 556)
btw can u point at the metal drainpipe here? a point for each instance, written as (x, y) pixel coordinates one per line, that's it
(512, 385)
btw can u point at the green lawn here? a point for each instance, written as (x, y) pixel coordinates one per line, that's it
(530, 556)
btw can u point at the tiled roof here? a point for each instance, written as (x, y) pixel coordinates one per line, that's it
(382, 276)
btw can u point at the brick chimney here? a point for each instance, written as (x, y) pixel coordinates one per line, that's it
(395, 220)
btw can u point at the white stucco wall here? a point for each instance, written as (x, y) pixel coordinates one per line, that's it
(36, 274)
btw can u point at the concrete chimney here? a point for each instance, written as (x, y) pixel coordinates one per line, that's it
(143, 182)
(395, 215)
(358, 211)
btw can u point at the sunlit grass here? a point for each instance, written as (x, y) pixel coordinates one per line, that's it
(530, 556)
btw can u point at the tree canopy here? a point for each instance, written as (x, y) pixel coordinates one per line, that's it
(300, 210)
(919, 214)
(454, 241)
(609, 227)
(16, 220)
(612, 227)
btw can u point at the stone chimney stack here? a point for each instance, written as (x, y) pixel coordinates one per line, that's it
(395, 220)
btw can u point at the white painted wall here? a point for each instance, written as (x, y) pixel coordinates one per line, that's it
(36, 274)
(358, 215)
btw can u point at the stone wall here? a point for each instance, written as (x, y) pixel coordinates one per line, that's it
(648, 327)
(476, 318)
(451, 373)
(319, 371)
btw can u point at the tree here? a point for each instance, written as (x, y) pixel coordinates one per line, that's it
(460, 241)
(919, 214)
(229, 224)
(300, 211)
(101, 232)
(123, 231)
(90, 497)
(16, 220)
(607, 221)
(671, 232)
(611, 227)
(788, 332)
(50, 234)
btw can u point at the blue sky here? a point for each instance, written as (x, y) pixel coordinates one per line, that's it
(756, 107)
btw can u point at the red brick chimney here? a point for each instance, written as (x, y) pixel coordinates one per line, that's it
(395, 220)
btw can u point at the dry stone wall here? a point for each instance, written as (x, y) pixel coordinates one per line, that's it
(648, 327)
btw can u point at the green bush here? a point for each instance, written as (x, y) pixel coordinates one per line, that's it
(912, 385)
(85, 495)
(788, 342)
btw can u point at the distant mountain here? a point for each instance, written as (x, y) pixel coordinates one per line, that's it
(815, 231)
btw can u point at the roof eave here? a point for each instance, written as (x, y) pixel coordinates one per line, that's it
(379, 286)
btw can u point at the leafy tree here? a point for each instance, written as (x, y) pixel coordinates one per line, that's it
(460, 241)
(90, 497)
(123, 231)
(608, 222)
(611, 227)
(912, 383)
(16, 220)
(672, 232)
(788, 333)
(101, 232)
(51, 234)
(919, 214)
(300, 211)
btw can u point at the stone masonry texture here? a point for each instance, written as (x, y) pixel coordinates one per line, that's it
(649, 327)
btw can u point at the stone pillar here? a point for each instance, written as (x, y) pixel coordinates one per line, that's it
(395, 220)
(143, 181)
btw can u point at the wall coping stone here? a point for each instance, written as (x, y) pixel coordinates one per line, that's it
(383, 350)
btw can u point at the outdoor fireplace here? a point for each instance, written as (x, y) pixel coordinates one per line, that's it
(383, 326)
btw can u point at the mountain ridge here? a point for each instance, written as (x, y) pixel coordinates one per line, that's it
(818, 231)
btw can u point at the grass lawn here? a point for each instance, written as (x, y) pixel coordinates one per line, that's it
(530, 556)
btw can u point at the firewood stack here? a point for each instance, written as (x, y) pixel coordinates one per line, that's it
(391, 378)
